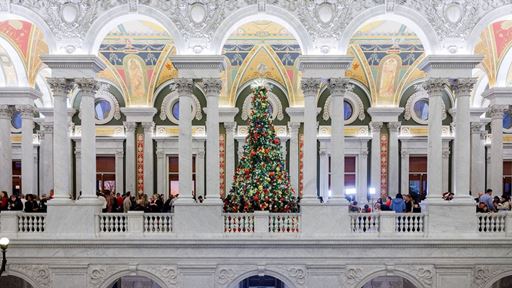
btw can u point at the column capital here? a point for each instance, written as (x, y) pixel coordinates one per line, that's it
(60, 87)
(339, 86)
(294, 127)
(496, 111)
(375, 126)
(230, 127)
(212, 86)
(434, 86)
(27, 111)
(462, 86)
(129, 126)
(148, 127)
(184, 86)
(394, 126)
(5, 112)
(310, 86)
(88, 86)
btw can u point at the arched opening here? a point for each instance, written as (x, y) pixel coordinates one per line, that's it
(265, 281)
(504, 282)
(388, 282)
(134, 281)
(14, 282)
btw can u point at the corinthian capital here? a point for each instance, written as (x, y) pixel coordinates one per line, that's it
(310, 86)
(339, 86)
(88, 86)
(184, 86)
(129, 126)
(212, 86)
(435, 86)
(375, 126)
(394, 126)
(60, 86)
(27, 111)
(496, 111)
(462, 87)
(5, 112)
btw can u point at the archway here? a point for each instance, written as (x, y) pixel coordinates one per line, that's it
(504, 282)
(388, 282)
(14, 282)
(265, 281)
(134, 281)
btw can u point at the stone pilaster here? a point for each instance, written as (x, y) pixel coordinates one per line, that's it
(477, 158)
(375, 128)
(184, 87)
(404, 175)
(119, 171)
(394, 128)
(230, 128)
(212, 88)
(148, 157)
(130, 156)
(496, 169)
(362, 177)
(5, 149)
(46, 152)
(294, 155)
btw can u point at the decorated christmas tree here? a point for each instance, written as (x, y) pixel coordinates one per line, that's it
(261, 182)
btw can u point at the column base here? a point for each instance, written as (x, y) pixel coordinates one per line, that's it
(192, 219)
(324, 220)
(80, 219)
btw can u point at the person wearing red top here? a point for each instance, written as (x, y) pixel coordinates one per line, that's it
(4, 200)
(119, 200)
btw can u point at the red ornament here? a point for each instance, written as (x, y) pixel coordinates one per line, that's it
(276, 141)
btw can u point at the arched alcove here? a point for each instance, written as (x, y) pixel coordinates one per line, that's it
(261, 281)
(388, 282)
(12, 281)
(134, 282)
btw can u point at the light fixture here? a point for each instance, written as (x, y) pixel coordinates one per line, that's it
(4, 243)
(350, 191)
(371, 190)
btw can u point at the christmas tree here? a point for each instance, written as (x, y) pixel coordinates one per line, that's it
(260, 182)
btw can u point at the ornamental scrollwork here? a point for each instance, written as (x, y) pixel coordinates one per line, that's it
(483, 274)
(40, 274)
(168, 274)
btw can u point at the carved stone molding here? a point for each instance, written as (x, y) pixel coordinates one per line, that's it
(375, 127)
(27, 111)
(60, 86)
(484, 274)
(98, 274)
(39, 274)
(339, 86)
(422, 273)
(87, 86)
(212, 86)
(129, 126)
(310, 86)
(496, 111)
(167, 273)
(184, 86)
(435, 86)
(6, 112)
(462, 87)
(354, 274)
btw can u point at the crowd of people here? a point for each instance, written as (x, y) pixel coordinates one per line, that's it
(115, 202)
(28, 203)
(486, 203)
(400, 204)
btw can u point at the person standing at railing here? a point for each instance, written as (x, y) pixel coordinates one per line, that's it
(127, 202)
(487, 199)
(4, 201)
(398, 204)
(15, 203)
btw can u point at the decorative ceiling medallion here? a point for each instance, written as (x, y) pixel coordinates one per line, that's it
(453, 12)
(69, 12)
(325, 12)
(197, 12)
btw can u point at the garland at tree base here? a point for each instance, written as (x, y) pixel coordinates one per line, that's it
(260, 182)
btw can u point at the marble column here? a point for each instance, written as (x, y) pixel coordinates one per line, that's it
(461, 176)
(200, 173)
(362, 177)
(46, 149)
(404, 175)
(149, 188)
(310, 88)
(130, 157)
(230, 153)
(27, 148)
(161, 173)
(338, 87)
(78, 171)
(5, 149)
(375, 160)
(212, 87)
(496, 150)
(61, 142)
(394, 128)
(88, 88)
(477, 158)
(294, 155)
(119, 171)
(324, 171)
(446, 170)
(185, 87)
(435, 87)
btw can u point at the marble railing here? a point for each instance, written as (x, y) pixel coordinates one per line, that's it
(494, 223)
(364, 222)
(134, 222)
(238, 223)
(158, 222)
(31, 222)
(284, 222)
(112, 223)
(262, 222)
(388, 223)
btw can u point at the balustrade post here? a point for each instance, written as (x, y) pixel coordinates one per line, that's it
(9, 223)
(508, 224)
(135, 222)
(387, 223)
(261, 219)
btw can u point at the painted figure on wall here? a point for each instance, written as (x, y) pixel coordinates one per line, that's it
(136, 78)
(390, 66)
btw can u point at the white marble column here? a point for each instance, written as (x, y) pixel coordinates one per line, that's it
(185, 86)
(161, 173)
(88, 88)
(393, 186)
(362, 177)
(375, 160)
(461, 176)
(446, 170)
(338, 87)
(435, 87)
(27, 149)
(477, 158)
(130, 157)
(294, 155)
(230, 153)
(149, 188)
(200, 173)
(119, 172)
(324, 170)
(46, 152)
(212, 87)
(5, 149)
(61, 142)
(496, 151)
(404, 174)
(310, 88)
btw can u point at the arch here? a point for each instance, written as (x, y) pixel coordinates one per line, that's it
(409, 17)
(399, 273)
(109, 280)
(21, 72)
(234, 283)
(25, 14)
(496, 278)
(501, 77)
(118, 15)
(500, 13)
(477, 100)
(26, 278)
(272, 13)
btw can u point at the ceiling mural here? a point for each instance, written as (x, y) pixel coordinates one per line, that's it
(8, 75)
(386, 57)
(261, 49)
(28, 41)
(137, 57)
